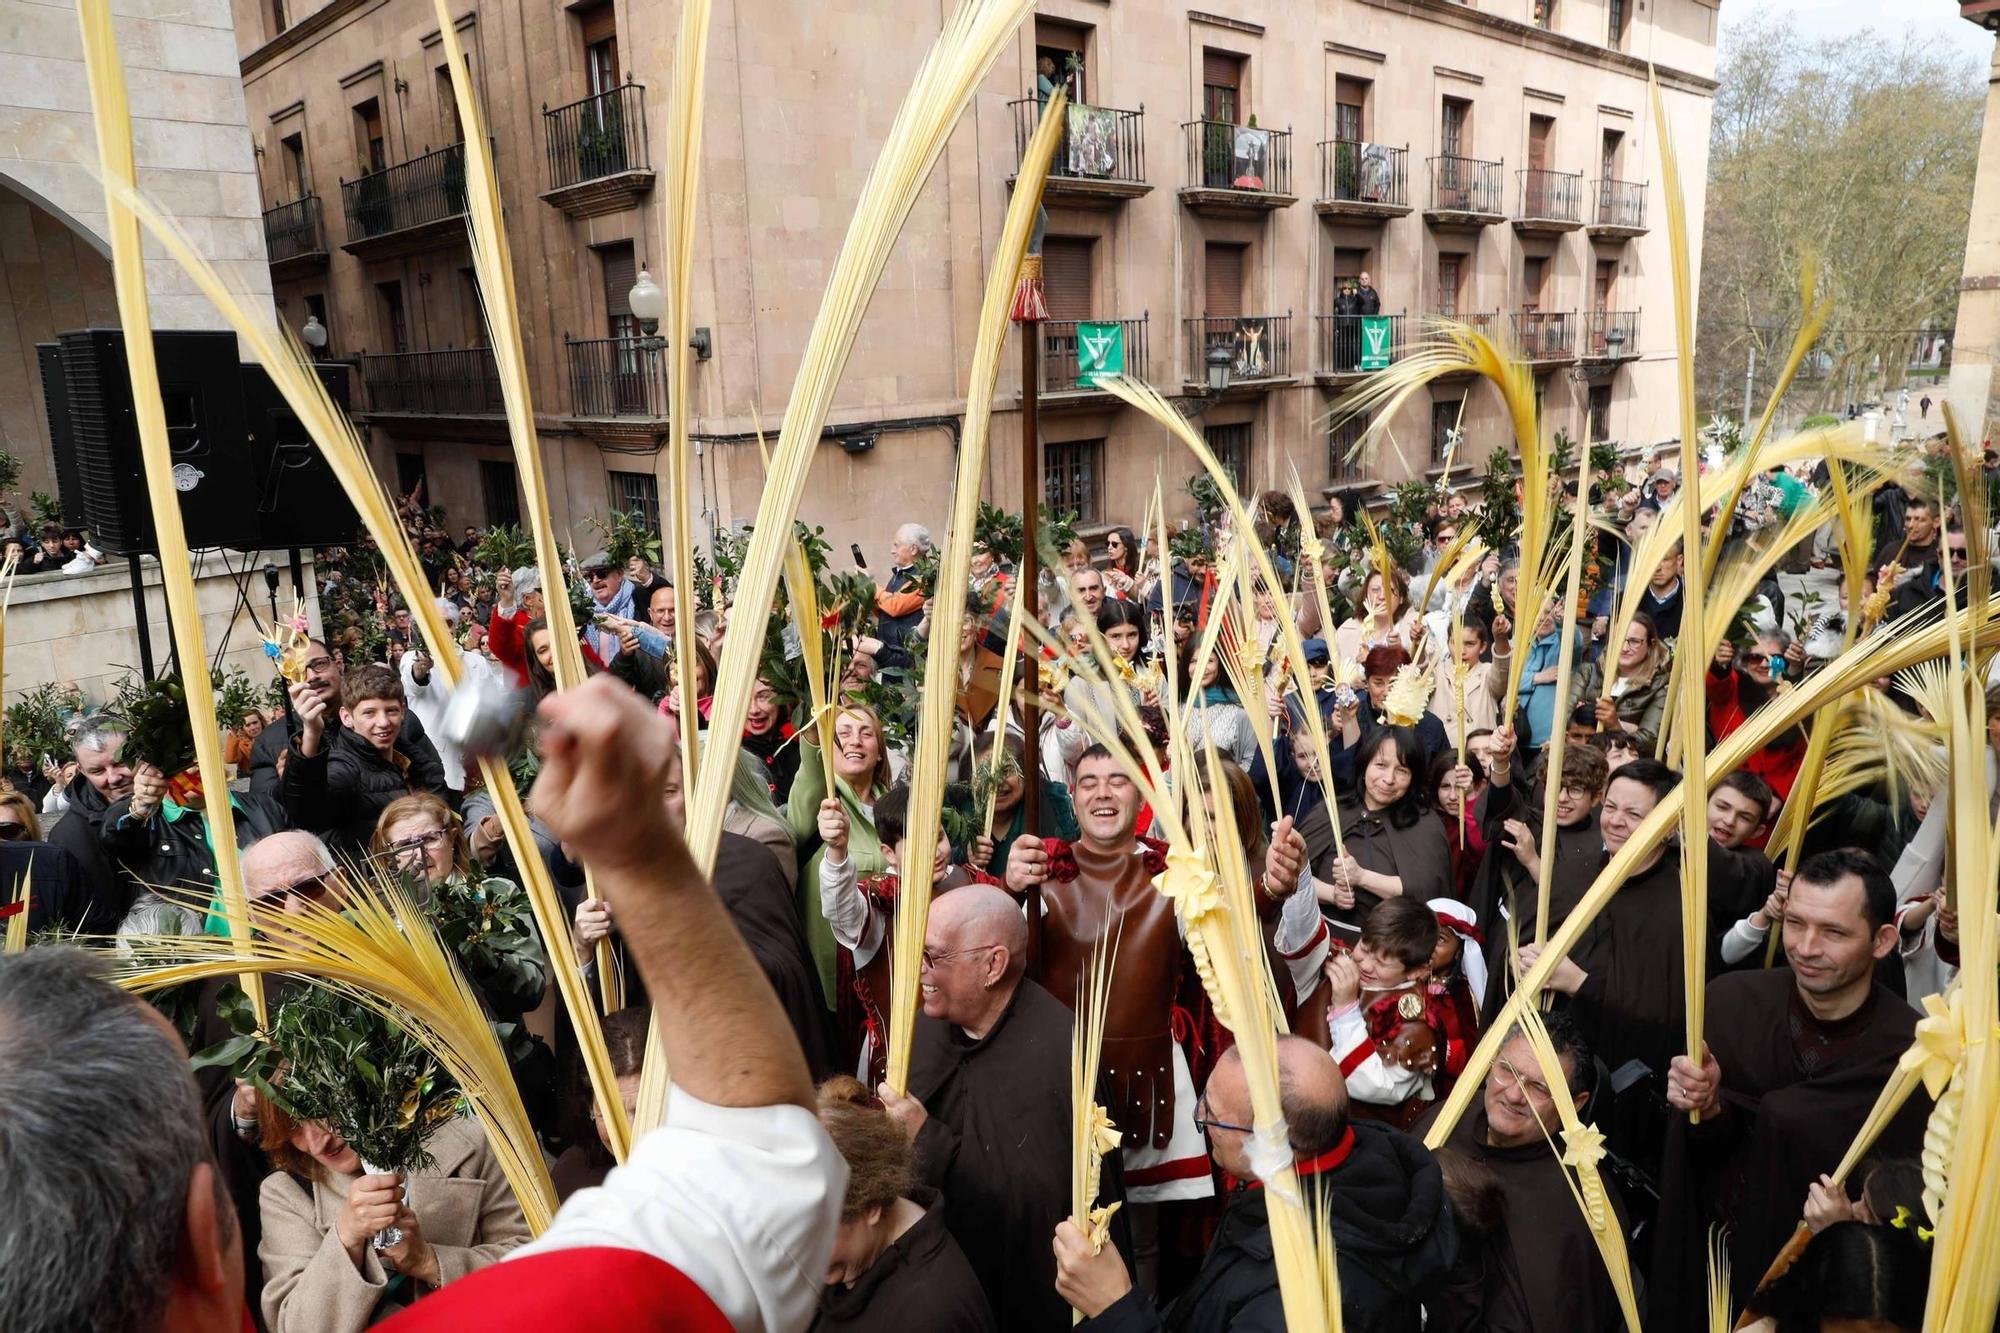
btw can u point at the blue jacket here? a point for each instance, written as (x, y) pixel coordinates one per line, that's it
(1539, 701)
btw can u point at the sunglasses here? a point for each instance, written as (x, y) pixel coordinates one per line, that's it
(310, 889)
(11, 832)
(595, 574)
(936, 960)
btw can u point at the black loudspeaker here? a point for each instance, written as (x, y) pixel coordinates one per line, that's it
(62, 433)
(202, 391)
(299, 501)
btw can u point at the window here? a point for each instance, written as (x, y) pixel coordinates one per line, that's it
(617, 265)
(640, 491)
(1450, 290)
(1350, 109)
(1222, 87)
(278, 23)
(1607, 278)
(449, 127)
(1534, 271)
(1071, 474)
(292, 151)
(370, 147)
(500, 488)
(1222, 280)
(1231, 446)
(1615, 34)
(1062, 46)
(1545, 13)
(1343, 440)
(409, 473)
(1455, 137)
(1066, 274)
(600, 50)
(471, 314)
(1541, 132)
(1600, 413)
(316, 307)
(1445, 413)
(395, 329)
(1614, 140)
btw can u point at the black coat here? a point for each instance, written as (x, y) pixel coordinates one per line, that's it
(59, 895)
(1369, 300)
(895, 631)
(80, 833)
(921, 1281)
(340, 792)
(1392, 1229)
(157, 851)
(274, 740)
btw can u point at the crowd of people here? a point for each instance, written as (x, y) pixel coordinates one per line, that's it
(1397, 893)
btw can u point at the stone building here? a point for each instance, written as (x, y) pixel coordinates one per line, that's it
(1221, 175)
(1976, 339)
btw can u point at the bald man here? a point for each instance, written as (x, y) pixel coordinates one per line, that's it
(989, 1103)
(1392, 1226)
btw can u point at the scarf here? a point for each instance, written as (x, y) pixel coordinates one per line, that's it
(604, 641)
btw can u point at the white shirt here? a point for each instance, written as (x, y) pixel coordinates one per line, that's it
(742, 1200)
(428, 702)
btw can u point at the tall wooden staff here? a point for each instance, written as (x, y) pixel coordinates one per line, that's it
(1030, 309)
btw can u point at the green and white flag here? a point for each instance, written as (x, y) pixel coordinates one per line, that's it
(1100, 350)
(1375, 342)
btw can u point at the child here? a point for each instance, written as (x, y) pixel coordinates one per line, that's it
(1390, 1032)
(1458, 983)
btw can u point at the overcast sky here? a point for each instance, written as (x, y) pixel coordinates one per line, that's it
(1933, 20)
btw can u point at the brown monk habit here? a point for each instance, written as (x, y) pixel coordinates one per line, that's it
(1794, 1092)
(1543, 1272)
(997, 1143)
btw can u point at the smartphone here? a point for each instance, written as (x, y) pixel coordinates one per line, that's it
(860, 560)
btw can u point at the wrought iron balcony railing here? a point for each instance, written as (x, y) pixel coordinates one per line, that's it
(1554, 196)
(1620, 204)
(450, 382)
(1259, 346)
(1097, 143)
(1067, 351)
(1611, 335)
(410, 194)
(292, 230)
(1352, 172)
(1545, 335)
(1464, 185)
(598, 136)
(1353, 345)
(617, 377)
(1222, 156)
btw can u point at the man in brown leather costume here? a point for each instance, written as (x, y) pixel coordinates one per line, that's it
(1103, 883)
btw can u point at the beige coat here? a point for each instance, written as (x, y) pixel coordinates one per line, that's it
(1485, 687)
(463, 1202)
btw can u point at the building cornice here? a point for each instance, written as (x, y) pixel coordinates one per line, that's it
(1457, 15)
(299, 34)
(1224, 21)
(367, 71)
(1358, 52)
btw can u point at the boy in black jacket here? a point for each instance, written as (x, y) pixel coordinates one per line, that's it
(338, 785)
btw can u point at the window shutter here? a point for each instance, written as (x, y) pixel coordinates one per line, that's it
(1066, 276)
(598, 24)
(1221, 70)
(1223, 295)
(619, 275)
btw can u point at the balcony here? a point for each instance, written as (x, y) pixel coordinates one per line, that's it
(1100, 156)
(294, 239)
(1236, 169)
(1069, 345)
(617, 388)
(1486, 322)
(1465, 193)
(1259, 346)
(1351, 347)
(1363, 182)
(1545, 337)
(452, 384)
(1551, 202)
(597, 150)
(406, 207)
(1620, 210)
(1610, 336)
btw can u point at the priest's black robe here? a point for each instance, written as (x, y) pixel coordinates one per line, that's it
(998, 1144)
(1503, 882)
(1544, 1271)
(1794, 1092)
(750, 881)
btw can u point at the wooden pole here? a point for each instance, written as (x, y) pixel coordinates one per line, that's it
(1026, 590)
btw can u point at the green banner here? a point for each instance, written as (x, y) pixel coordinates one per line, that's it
(1100, 350)
(1375, 342)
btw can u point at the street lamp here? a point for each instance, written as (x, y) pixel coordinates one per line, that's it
(1218, 358)
(313, 335)
(648, 303)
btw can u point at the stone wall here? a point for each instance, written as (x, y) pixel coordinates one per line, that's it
(81, 627)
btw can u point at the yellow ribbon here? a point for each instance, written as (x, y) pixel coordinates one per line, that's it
(1940, 1042)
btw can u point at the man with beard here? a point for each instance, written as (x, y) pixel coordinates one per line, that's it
(1539, 1270)
(1103, 882)
(1794, 1060)
(1392, 1228)
(323, 679)
(102, 777)
(988, 1106)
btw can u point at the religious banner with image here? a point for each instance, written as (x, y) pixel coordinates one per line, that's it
(1089, 131)
(1100, 350)
(1250, 159)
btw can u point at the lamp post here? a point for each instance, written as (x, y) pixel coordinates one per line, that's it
(313, 335)
(1218, 360)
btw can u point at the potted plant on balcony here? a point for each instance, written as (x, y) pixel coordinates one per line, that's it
(600, 137)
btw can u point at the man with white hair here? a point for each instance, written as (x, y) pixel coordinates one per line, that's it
(899, 603)
(102, 776)
(517, 602)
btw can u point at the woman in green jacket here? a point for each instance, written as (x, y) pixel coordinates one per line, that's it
(1055, 817)
(1636, 700)
(860, 776)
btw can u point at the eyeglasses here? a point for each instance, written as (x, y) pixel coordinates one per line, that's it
(11, 832)
(1509, 1077)
(1203, 1123)
(310, 889)
(937, 960)
(320, 664)
(419, 841)
(599, 573)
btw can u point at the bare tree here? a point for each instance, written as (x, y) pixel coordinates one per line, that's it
(1858, 154)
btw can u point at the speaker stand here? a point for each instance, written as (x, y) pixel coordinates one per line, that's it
(139, 614)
